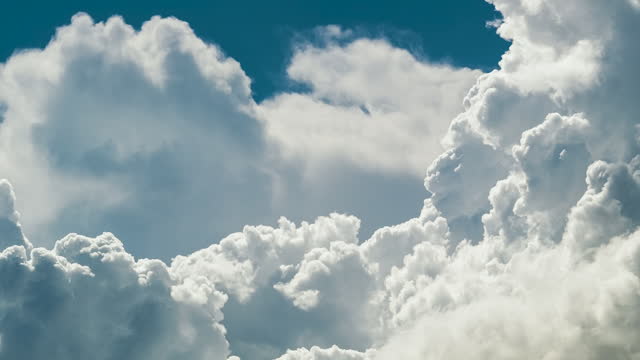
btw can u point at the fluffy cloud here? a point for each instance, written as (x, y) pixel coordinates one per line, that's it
(107, 122)
(305, 271)
(89, 298)
(554, 271)
(538, 304)
(316, 353)
(528, 248)
(537, 263)
(245, 261)
(377, 106)
(10, 228)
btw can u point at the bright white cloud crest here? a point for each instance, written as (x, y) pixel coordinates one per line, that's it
(529, 247)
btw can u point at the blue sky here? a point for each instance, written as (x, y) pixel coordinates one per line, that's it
(320, 180)
(260, 34)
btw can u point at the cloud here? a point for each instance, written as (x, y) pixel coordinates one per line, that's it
(10, 228)
(539, 304)
(89, 298)
(315, 353)
(287, 268)
(153, 133)
(108, 121)
(373, 105)
(550, 270)
(529, 246)
(244, 261)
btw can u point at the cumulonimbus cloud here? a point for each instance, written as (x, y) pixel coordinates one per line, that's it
(529, 247)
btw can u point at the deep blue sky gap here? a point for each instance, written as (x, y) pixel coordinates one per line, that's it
(260, 34)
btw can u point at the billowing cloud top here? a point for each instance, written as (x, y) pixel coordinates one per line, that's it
(528, 248)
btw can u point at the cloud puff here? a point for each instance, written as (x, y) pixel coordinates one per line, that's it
(244, 261)
(107, 122)
(528, 248)
(316, 353)
(538, 304)
(374, 105)
(301, 272)
(10, 228)
(89, 298)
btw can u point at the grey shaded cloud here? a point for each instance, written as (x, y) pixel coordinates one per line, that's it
(89, 298)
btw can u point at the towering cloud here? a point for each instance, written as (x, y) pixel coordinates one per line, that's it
(107, 122)
(528, 248)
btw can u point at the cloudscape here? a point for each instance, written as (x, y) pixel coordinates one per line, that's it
(381, 204)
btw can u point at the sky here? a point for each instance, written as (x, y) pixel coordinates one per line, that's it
(263, 38)
(313, 182)
(260, 34)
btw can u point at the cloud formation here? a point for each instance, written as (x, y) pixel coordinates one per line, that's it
(108, 121)
(528, 248)
(10, 228)
(375, 105)
(88, 298)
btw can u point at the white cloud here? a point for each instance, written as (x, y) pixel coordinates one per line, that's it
(529, 247)
(316, 353)
(107, 122)
(539, 304)
(242, 262)
(10, 228)
(608, 208)
(370, 104)
(555, 272)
